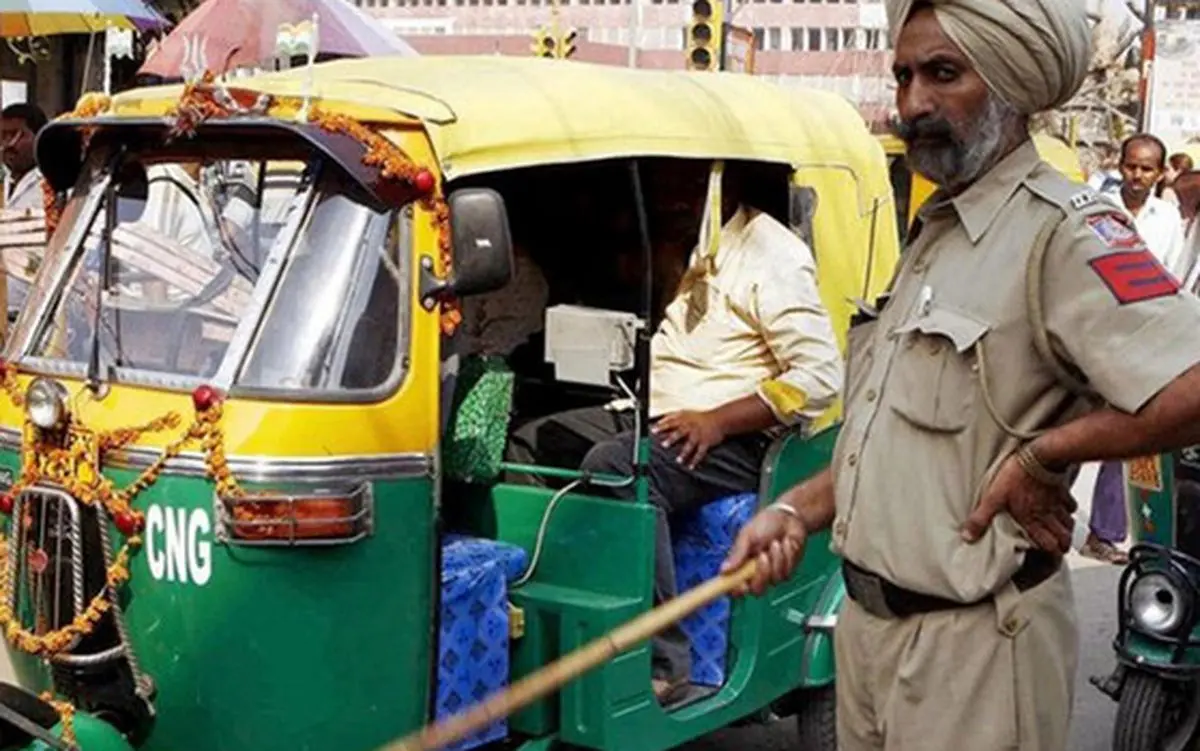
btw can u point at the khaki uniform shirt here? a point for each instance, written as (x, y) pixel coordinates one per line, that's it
(918, 445)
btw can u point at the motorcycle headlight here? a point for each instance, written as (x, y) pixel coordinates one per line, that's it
(46, 403)
(1157, 604)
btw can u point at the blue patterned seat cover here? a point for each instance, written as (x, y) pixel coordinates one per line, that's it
(701, 541)
(473, 644)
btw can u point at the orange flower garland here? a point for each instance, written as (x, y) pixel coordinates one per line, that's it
(89, 105)
(394, 164)
(74, 468)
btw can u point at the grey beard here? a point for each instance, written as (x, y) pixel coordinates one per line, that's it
(959, 161)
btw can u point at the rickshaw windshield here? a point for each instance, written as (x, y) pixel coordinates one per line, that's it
(266, 274)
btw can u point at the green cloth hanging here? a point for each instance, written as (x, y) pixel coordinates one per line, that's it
(473, 448)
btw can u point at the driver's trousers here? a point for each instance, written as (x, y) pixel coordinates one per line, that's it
(998, 676)
(602, 441)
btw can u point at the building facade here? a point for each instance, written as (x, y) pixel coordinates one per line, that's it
(835, 45)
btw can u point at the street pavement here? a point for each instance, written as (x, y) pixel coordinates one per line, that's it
(1095, 588)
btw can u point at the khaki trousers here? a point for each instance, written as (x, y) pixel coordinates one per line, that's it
(994, 677)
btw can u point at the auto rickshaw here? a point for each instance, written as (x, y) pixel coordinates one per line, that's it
(231, 521)
(1156, 681)
(911, 189)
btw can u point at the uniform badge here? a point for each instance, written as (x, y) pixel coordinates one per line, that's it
(1082, 199)
(1134, 275)
(1115, 232)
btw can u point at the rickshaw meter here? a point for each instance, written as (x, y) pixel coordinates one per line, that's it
(1157, 604)
(46, 403)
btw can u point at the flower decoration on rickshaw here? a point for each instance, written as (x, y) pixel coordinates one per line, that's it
(58, 450)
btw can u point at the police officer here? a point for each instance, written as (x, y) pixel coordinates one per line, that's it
(1028, 330)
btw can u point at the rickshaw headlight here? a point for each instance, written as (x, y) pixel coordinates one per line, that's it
(1158, 605)
(46, 403)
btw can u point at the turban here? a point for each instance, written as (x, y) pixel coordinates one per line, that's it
(1033, 53)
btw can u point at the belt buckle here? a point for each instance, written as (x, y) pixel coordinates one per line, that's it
(869, 594)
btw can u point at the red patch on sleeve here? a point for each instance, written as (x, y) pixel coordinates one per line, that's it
(1134, 276)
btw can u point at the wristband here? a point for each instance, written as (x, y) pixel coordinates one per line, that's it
(1038, 471)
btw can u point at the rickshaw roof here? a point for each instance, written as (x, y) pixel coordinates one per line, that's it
(488, 113)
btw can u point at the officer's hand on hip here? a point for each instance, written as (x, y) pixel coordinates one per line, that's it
(1043, 510)
(776, 540)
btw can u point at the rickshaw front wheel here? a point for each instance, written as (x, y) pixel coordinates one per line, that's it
(816, 719)
(1156, 714)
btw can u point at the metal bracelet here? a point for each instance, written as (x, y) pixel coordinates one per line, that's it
(1035, 469)
(787, 509)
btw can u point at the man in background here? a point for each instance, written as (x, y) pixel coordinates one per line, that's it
(19, 126)
(1143, 165)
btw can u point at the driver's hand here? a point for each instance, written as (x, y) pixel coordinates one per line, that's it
(776, 540)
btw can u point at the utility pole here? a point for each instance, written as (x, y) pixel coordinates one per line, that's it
(635, 31)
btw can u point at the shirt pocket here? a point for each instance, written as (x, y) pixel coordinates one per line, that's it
(934, 376)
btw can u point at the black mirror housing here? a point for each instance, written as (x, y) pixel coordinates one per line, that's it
(482, 243)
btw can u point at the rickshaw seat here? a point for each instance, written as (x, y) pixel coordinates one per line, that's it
(477, 431)
(701, 541)
(473, 641)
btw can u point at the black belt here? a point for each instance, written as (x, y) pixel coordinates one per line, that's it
(882, 599)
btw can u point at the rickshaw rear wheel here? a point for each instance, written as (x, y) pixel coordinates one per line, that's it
(1156, 714)
(816, 719)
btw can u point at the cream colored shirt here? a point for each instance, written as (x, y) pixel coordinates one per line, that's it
(754, 325)
(918, 445)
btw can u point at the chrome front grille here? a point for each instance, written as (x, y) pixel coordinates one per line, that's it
(45, 560)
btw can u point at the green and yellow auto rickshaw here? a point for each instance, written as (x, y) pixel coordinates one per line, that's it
(245, 510)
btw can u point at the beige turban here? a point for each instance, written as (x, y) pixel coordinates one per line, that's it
(1033, 53)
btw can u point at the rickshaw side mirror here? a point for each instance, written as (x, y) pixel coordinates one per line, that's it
(482, 243)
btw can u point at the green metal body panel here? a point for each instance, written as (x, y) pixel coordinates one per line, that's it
(596, 572)
(1149, 654)
(90, 735)
(297, 648)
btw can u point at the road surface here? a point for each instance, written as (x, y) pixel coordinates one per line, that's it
(1095, 585)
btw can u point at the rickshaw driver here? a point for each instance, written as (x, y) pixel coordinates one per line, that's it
(946, 493)
(745, 346)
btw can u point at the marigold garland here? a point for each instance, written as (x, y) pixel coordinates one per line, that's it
(67, 714)
(89, 105)
(74, 467)
(394, 164)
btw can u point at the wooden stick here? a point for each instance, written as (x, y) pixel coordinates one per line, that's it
(557, 674)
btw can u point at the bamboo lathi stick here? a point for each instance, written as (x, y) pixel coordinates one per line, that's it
(566, 669)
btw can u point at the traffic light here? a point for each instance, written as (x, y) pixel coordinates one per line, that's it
(568, 43)
(544, 43)
(705, 35)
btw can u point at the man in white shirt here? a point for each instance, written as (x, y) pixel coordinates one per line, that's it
(19, 126)
(745, 347)
(1143, 163)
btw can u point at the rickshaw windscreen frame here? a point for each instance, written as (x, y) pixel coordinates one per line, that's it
(62, 148)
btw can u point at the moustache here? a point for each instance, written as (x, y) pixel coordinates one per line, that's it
(924, 129)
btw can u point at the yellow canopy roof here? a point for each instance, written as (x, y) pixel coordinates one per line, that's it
(491, 113)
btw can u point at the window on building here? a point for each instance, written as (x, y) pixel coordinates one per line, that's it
(759, 37)
(873, 40)
(832, 40)
(797, 39)
(775, 38)
(814, 40)
(849, 39)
